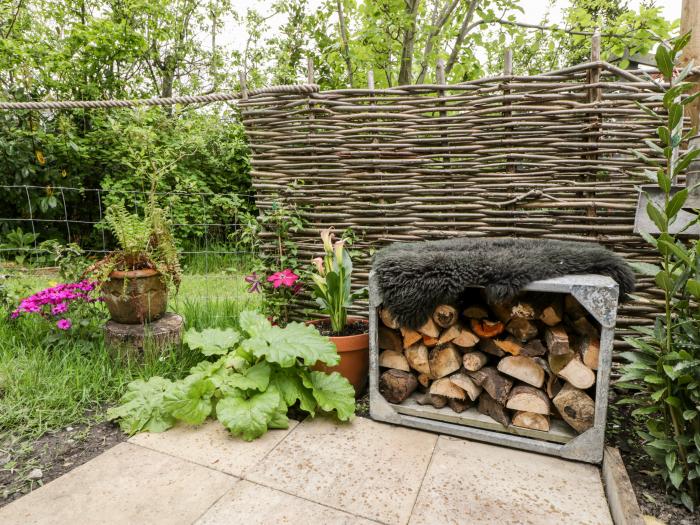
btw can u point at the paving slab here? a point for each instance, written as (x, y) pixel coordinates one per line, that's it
(211, 445)
(364, 468)
(254, 504)
(126, 484)
(474, 483)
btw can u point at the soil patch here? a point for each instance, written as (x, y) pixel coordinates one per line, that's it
(354, 328)
(54, 454)
(649, 489)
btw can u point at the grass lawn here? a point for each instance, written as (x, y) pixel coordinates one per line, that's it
(45, 386)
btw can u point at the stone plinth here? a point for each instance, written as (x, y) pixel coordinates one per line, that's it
(135, 338)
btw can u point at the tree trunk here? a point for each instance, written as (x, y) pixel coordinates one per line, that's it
(409, 38)
(344, 39)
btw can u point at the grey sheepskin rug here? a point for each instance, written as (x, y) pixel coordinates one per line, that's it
(416, 277)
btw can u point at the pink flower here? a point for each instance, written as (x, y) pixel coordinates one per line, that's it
(64, 324)
(60, 308)
(284, 278)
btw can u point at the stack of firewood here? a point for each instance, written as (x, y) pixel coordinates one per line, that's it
(520, 362)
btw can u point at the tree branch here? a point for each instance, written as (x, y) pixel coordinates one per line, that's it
(438, 23)
(463, 32)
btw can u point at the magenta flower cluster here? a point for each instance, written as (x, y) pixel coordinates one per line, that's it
(54, 302)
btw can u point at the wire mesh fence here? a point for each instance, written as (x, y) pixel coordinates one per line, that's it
(210, 229)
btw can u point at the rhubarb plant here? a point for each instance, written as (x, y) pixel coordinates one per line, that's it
(248, 380)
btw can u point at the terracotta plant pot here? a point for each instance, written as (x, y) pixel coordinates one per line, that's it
(135, 297)
(354, 356)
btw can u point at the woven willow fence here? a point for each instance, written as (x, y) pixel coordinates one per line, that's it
(539, 156)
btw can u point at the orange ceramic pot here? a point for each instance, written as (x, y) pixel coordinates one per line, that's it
(136, 296)
(354, 356)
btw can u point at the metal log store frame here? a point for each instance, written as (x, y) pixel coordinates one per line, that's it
(599, 295)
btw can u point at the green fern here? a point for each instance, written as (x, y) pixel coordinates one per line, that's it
(133, 234)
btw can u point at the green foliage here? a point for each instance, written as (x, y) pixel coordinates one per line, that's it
(18, 244)
(258, 373)
(143, 242)
(333, 282)
(281, 220)
(663, 374)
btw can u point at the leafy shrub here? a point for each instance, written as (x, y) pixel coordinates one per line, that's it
(664, 373)
(18, 244)
(248, 382)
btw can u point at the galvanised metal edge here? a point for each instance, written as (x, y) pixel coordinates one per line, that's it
(599, 295)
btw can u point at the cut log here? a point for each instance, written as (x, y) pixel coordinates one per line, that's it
(573, 308)
(391, 359)
(509, 345)
(410, 337)
(390, 339)
(444, 360)
(430, 329)
(522, 329)
(388, 319)
(445, 387)
(432, 399)
(490, 347)
(417, 357)
(424, 380)
(397, 385)
(578, 374)
(583, 327)
(458, 405)
(502, 311)
(589, 350)
(474, 361)
(553, 384)
(524, 310)
(445, 315)
(489, 406)
(523, 368)
(557, 362)
(557, 340)
(429, 341)
(553, 313)
(528, 399)
(498, 386)
(486, 328)
(531, 420)
(466, 383)
(465, 339)
(533, 348)
(449, 334)
(575, 407)
(475, 311)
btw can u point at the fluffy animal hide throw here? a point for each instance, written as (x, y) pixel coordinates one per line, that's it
(416, 277)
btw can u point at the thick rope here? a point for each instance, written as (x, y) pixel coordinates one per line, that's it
(195, 99)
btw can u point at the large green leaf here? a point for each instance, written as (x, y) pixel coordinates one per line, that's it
(249, 418)
(190, 400)
(291, 388)
(212, 341)
(254, 323)
(285, 346)
(333, 392)
(141, 407)
(257, 377)
(664, 61)
(693, 287)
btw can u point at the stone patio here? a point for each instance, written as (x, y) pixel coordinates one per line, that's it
(317, 471)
